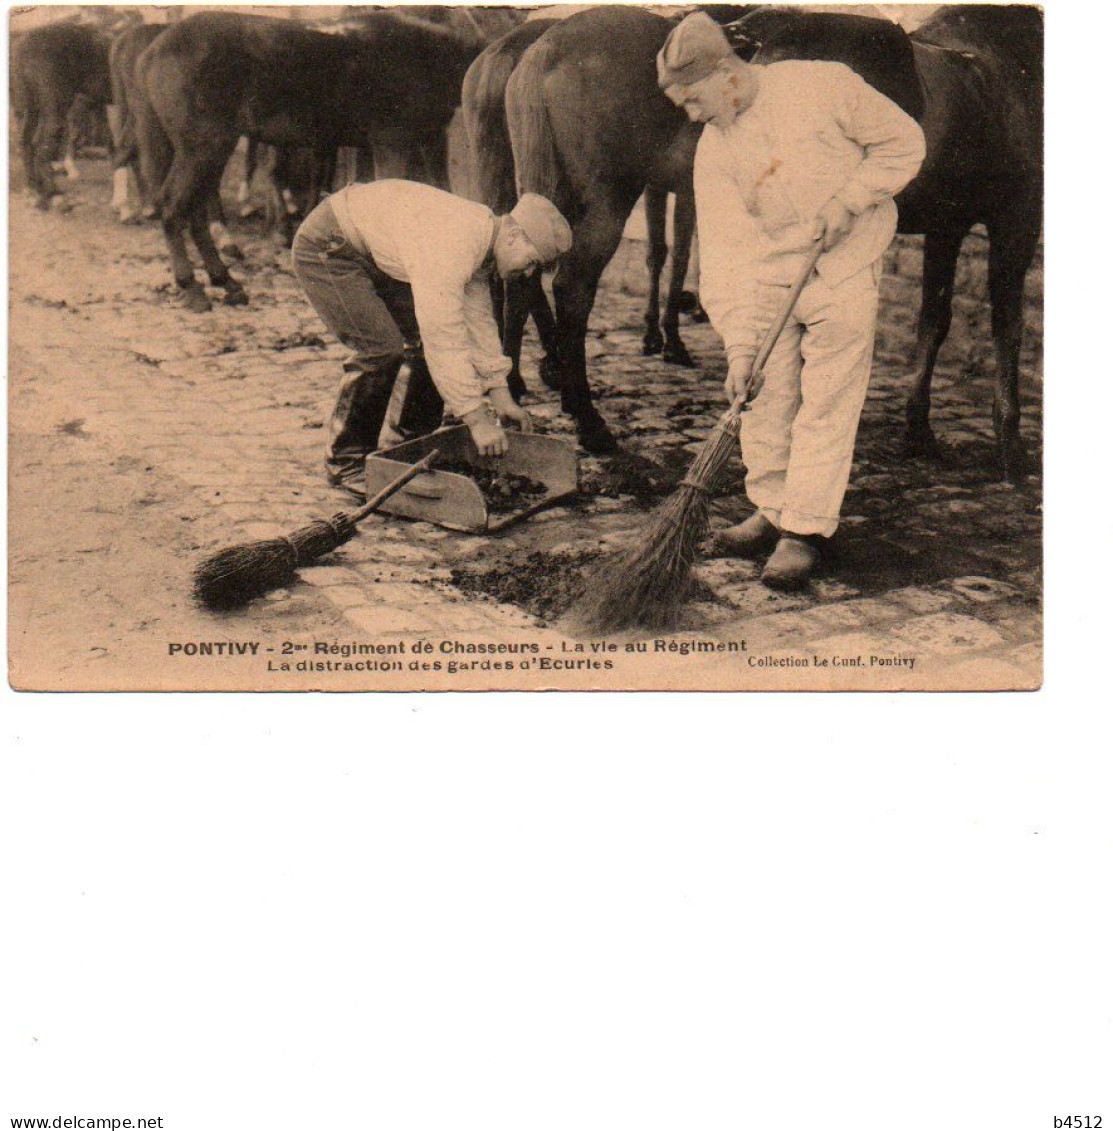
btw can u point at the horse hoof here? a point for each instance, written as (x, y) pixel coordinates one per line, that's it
(920, 443)
(1015, 463)
(195, 300)
(235, 296)
(596, 437)
(653, 343)
(231, 250)
(550, 374)
(58, 203)
(676, 353)
(150, 212)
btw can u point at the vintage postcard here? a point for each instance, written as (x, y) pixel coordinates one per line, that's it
(662, 348)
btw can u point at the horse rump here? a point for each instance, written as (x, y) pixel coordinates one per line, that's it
(537, 164)
(483, 101)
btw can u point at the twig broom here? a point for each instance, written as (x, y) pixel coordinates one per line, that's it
(647, 585)
(240, 573)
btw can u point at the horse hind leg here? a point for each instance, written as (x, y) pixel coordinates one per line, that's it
(545, 323)
(595, 241)
(281, 206)
(48, 141)
(1012, 243)
(515, 311)
(251, 162)
(125, 191)
(434, 154)
(683, 227)
(941, 248)
(127, 194)
(183, 198)
(75, 121)
(218, 224)
(28, 131)
(201, 229)
(689, 300)
(656, 203)
(391, 162)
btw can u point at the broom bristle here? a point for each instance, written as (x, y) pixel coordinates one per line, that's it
(241, 573)
(647, 585)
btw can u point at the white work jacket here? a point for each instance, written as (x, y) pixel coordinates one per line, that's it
(438, 243)
(815, 130)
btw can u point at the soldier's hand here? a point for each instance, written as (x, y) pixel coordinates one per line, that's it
(833, 223)
(488, 435)
(506, 408)
(738, 379)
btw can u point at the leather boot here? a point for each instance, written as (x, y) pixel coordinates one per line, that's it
(361, 407)
(792, 562)
(348, 476)
(422, 407)
(356, 422)
(749, 538)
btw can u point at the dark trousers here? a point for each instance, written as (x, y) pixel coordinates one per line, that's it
(373, 316)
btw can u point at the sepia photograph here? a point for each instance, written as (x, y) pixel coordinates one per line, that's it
(491, 348)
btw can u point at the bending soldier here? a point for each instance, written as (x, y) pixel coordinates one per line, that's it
(400, 271)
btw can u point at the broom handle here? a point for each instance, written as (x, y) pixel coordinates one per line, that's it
(774, 333)
(396, 485)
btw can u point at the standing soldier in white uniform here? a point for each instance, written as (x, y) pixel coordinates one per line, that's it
(792, 152)
(399, 270)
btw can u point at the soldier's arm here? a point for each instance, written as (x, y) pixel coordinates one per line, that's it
(892, 140)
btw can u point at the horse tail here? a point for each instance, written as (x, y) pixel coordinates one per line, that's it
(123, 139)
(536, 160)
(484, 108)
(156, 151)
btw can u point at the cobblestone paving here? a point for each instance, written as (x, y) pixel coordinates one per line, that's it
(937, 561)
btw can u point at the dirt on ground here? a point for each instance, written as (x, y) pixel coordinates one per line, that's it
(503, 493)
(633, 477)
(544, 584)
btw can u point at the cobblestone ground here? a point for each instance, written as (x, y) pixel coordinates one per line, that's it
(144, 437)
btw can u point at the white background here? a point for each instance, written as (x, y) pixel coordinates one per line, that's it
(600, 912)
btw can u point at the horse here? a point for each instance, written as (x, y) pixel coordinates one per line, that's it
(132, 195)
(484, 109)
(482, 100)
(122, 58)
(976, 84)
(590, 130)
(392, 86)
(293, 180)
(587, 122)
(58, 73)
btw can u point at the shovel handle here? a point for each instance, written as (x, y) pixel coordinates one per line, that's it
(395, 485)
(774, 332)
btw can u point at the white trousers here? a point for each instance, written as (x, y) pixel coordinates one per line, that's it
(798, 436)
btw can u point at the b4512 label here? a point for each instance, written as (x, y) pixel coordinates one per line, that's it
(1085, 1122)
